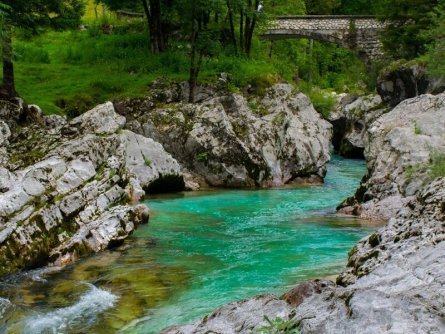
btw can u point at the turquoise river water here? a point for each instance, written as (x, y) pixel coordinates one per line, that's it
(199, 251)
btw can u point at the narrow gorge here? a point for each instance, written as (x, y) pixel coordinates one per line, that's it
(226, 167)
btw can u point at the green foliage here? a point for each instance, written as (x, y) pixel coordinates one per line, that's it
(360, 7)
(147, 162)
(321, 7)
(434, 169)
(202, 157)
(70, 72)
(417, 129)
(437, 167)
(323, 102)
(34, 14)
(408, 20)
(278, 326)
(436, 51)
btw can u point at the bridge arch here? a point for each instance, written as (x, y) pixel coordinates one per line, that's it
(357, 33)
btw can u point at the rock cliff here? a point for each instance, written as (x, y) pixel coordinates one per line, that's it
(400, 146)
(68, 188)
(404, 81)
(351, 120)
(229, 141)
(394, 281)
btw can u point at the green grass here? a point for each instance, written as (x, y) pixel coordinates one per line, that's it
(70, 72)
(437, 167)
(434, 169)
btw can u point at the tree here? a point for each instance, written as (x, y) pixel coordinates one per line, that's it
(153, 10)
(436, 51)
(321, 7)
(204, 33)
(408, 20)
(360, 7)
(248, 15)
(32, 15)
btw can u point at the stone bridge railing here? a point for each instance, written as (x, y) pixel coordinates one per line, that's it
(359, 33)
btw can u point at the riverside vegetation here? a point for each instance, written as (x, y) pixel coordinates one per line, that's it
(199, 100)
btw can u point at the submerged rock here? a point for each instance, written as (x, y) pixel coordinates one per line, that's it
(228, 141)
(71, 193)
(399, 147)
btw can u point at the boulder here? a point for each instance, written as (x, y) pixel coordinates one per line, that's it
(404, 80)
(394, 282)
(228, 141)
(5, 133)
(300, 293)
(73, 190)
(155, 169)
(399, 147)
(244, 316)
(100, 120)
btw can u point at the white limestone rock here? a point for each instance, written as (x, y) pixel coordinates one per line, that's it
(399, 146)
(101, 120)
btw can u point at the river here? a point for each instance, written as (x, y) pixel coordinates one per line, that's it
(199, 251)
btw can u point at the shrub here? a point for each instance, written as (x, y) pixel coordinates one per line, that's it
(437, 167)
(279, 326)
(323, 103)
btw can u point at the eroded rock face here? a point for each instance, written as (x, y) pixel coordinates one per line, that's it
(350, 122)
(67, 190)
(399, 146)
(228, 141)
(394, 282)
(407, 81)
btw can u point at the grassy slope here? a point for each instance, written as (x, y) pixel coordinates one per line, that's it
(74, 70)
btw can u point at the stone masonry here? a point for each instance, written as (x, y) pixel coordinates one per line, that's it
(359, 33)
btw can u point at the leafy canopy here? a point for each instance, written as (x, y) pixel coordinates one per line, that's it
(32, 14)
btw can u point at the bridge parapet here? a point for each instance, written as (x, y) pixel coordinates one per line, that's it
(352, 32)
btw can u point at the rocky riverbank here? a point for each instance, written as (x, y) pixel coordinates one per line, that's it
(399, 147)
(393, 282)
(69, 188)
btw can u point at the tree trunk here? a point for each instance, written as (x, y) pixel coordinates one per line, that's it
(232, 26)
(8, 88)
(241, 28)
(251, 28)
(311, 50)
(153, 15)
(247, 24)
(193, 68)
(157, 37)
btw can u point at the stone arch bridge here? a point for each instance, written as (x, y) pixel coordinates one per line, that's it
(357, 33)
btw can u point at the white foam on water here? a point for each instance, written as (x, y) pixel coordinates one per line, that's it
(82, 314)
(5, 304)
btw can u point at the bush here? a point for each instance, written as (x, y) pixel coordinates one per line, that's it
(74, 106)
(324, 103)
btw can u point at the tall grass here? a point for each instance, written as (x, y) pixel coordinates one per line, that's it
(69, 72)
